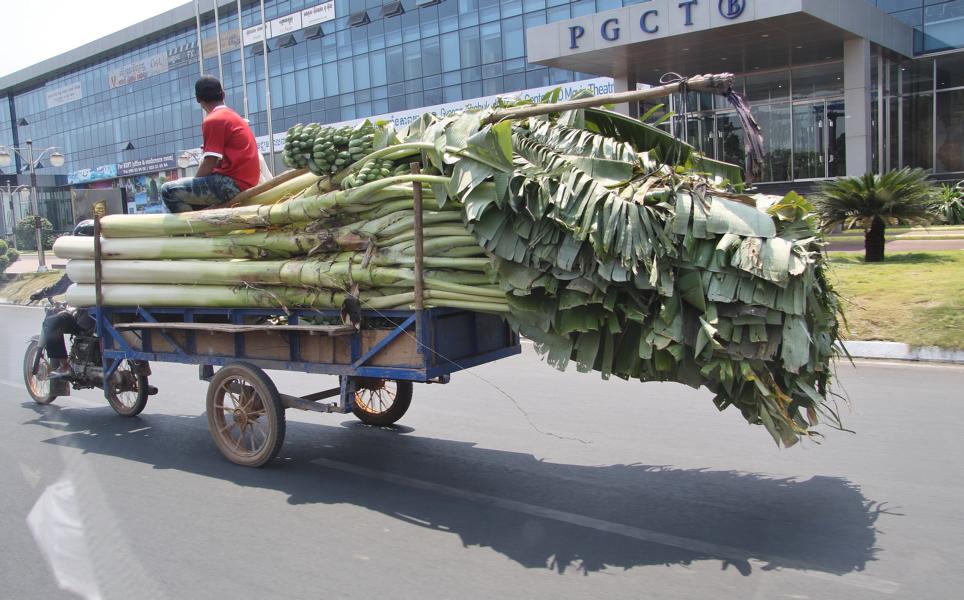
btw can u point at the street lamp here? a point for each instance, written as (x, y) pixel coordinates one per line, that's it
(3, 210)
(57, 159)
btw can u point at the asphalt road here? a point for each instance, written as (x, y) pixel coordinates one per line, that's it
(607, 490)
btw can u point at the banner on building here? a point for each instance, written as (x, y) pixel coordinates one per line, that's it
(94, 174)
(318, 14)
(146, 165)
(144, 192)
(138, 70)
(597, 86)
(230, 40)
(83, 201)
(64, 94)
(285, 24)
(253, 35)
(185, 54)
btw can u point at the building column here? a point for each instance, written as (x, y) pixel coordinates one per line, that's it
(857, 132)
(626, 83)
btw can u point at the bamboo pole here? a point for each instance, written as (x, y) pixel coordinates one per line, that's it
(716, 83)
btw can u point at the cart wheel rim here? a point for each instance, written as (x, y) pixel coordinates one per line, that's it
(240, 418)
(376, 400)
(38, 382)
(128, 398)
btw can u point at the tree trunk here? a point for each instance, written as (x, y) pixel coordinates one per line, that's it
(874, 241)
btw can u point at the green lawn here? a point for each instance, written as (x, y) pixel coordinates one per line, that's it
(17, 288)
(912, 297)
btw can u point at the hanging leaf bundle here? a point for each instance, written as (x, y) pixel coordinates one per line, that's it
(607, 242)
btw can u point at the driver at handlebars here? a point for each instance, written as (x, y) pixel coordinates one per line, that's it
(71, 320)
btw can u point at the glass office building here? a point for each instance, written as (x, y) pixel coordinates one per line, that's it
(122, 108)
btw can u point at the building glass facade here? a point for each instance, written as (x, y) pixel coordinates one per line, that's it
(137, 102)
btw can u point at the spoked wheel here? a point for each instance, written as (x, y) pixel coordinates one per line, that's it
(127, 392)
(35, 369)
(382, 401)
(245, 414)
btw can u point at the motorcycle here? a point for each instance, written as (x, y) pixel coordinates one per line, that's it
(127, 387)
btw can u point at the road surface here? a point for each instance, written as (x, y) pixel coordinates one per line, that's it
(597, 490)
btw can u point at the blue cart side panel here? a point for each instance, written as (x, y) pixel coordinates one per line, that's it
(391, 348)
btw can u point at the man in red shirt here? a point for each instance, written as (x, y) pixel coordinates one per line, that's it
(229, 163)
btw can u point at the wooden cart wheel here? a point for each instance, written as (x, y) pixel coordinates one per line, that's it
(245, 414)
(38, 386)
(127, 392)
(382, 401)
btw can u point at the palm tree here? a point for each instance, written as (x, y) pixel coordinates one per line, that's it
(872, 202)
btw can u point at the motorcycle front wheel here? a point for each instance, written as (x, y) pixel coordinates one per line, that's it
(35, 369)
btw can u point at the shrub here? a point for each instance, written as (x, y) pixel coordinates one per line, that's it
(3, 247)
(949, 204)
(26, 237)
(872, 202)
(12, 255)
(4, 263)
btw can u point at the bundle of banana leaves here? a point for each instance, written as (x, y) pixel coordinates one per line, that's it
(607, 242)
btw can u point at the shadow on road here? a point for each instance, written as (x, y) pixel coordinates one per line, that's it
(822, 523)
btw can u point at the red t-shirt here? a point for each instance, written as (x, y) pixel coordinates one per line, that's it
(229, 138)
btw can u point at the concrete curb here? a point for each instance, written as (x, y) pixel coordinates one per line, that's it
(900, 351)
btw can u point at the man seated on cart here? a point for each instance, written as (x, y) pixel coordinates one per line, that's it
(230, 163)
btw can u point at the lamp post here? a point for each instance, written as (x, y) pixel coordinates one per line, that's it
(3, 211)
(57, 160)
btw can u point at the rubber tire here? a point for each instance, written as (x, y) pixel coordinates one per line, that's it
(28, 359)
(403, 399)
(270, 400)
(139, 404)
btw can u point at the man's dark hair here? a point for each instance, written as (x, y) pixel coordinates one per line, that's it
(208, 89)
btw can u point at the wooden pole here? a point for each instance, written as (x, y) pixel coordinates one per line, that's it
(699, 83)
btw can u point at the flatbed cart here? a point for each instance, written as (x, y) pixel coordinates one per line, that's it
(376, 364)
(376, 359)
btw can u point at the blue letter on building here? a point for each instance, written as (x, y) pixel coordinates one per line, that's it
(575, 32)
(610, 34)
(642, 21)
(732, 9)
(687, 5)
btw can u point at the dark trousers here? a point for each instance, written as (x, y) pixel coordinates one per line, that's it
(53, 330)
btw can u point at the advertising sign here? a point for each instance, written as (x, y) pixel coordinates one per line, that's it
(146, 165)
(95, 174)
(143, 192)
(597, 86)
(318, 14)
(64, 94)
(285, 24)
(185, 54)
(138, 70)
(254, 35)
(230, 40)
(83, 202)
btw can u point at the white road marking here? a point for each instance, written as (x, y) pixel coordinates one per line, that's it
(693, 545)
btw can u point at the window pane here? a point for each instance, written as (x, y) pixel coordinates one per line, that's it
(413, 60)
(513, 39)
(379, 74)
(950, 123)
(470, 47)
(396, 64)
(431, 56)
(451, 60)
(491, 42)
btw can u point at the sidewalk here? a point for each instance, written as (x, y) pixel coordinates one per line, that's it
(27, 263)
(898, 245)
